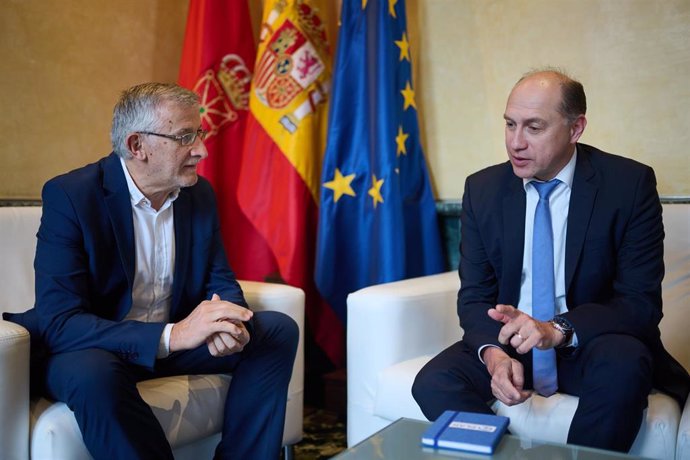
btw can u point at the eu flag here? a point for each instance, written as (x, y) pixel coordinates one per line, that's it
(377, 221)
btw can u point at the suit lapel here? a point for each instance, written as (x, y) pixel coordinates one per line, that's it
(183, 242)
(119, 208)
(514, 237)
(582, 198)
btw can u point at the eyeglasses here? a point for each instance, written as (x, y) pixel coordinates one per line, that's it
(183, 139)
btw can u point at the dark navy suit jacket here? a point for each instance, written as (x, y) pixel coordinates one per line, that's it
(613, 257)
(85, 263)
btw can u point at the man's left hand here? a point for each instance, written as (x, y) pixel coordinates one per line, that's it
(224, 343)
(522, 331)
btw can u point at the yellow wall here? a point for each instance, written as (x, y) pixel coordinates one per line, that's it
(633, 57)
(64, 62)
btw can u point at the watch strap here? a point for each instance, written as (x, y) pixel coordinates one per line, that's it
(563, 326)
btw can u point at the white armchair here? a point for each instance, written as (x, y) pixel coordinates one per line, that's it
(189, 408)
(396, 328)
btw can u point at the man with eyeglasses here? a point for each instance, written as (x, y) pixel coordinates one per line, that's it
(132, 283)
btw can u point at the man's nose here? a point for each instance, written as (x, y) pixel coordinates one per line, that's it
(199, 149)
(516, 140)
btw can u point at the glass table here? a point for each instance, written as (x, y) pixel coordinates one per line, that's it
(402, 441)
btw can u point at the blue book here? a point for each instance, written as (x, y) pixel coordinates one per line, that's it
(466, 431)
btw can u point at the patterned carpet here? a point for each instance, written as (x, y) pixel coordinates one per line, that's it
(324, 435)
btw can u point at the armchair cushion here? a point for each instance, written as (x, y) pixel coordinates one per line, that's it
(683, 445)
(189, 408)
(393, 396)
(548, 419)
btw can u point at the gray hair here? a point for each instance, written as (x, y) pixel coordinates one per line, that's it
(573, 99)
(136, 110)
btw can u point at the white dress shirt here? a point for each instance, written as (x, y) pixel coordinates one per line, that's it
(154, 248)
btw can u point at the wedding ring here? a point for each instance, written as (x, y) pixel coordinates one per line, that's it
(519, 336)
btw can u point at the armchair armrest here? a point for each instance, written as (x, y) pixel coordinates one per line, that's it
(285, 299)
(14, 390)
(394, 322)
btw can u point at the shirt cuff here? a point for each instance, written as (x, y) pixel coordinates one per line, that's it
(479, 352)
(164, 344)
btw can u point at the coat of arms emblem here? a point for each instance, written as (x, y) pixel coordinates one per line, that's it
(287, 67)
(224, 91)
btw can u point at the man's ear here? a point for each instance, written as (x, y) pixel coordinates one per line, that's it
(577, 128)
(134, 143)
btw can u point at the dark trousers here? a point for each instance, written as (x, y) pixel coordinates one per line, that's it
(611, 375)
(116, 423)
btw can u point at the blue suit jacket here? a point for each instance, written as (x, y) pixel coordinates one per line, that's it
(85, 263)
(613, 257)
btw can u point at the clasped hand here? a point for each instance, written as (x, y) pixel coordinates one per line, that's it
(523, 333)
(218, 323)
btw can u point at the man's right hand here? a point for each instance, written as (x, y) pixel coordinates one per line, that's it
(208, 318)
(507, 376)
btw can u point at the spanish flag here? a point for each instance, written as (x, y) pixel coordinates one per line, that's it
(284, 145)
(217, 63)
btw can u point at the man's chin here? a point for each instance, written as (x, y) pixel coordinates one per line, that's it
(522, 172)
(190, 179)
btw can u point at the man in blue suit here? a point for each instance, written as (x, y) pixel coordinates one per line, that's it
(132, 283)
(607, 271)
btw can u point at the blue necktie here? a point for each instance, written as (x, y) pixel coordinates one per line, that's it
(543, 288)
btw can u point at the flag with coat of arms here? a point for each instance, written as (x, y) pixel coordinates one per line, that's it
(217, 63)
(377, 221)
(283, 149)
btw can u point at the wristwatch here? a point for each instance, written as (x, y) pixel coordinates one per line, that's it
(563, 326)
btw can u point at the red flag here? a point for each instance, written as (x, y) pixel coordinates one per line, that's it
(284, 146)
(217, 62)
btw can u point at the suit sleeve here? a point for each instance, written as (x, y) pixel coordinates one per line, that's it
(479, 282)
(71, 316)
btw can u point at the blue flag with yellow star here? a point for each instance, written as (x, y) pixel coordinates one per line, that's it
(377, 221)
